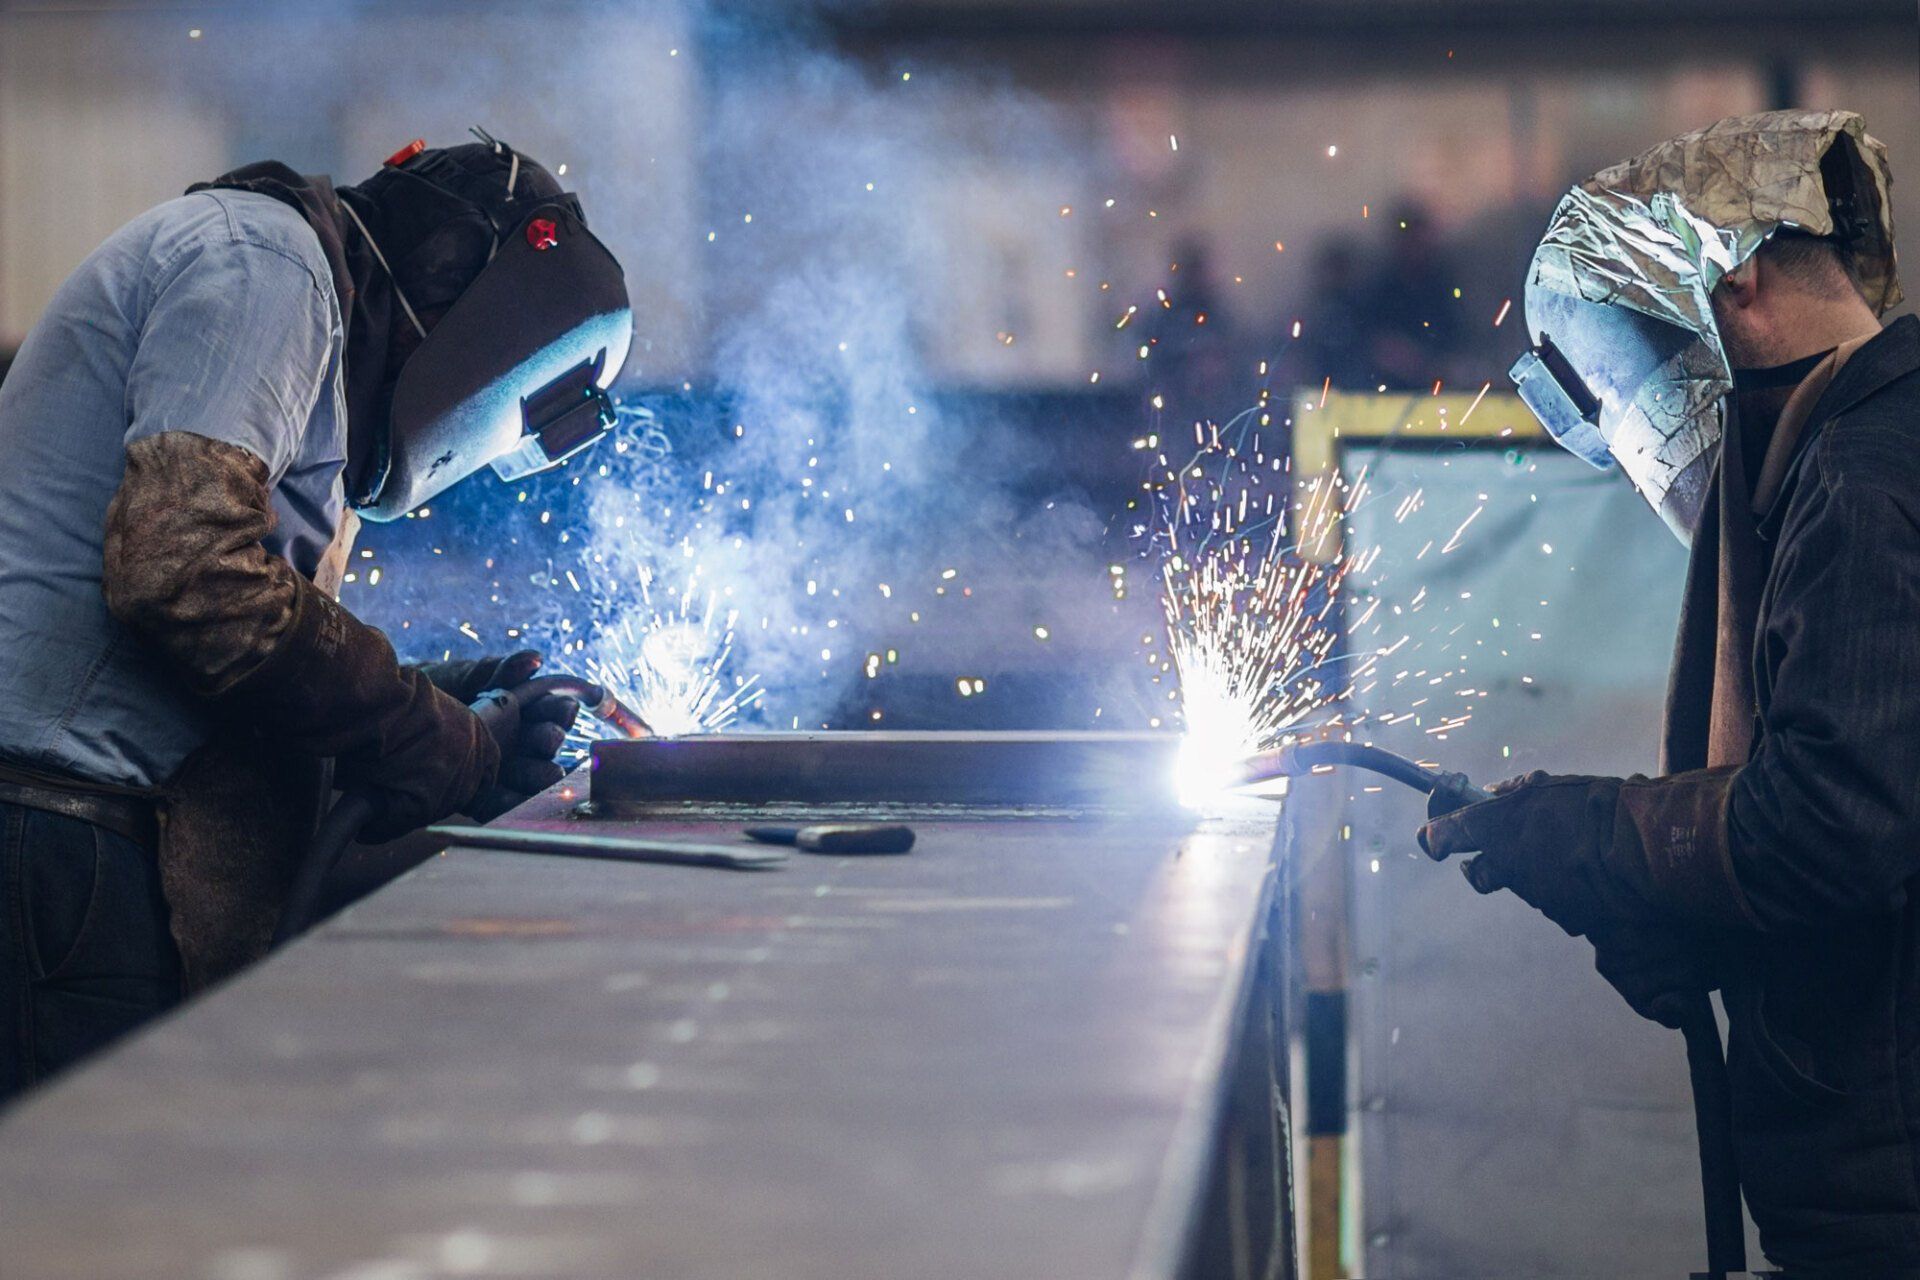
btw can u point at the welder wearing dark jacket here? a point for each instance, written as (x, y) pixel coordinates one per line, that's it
(1707, 316)
(190, 430)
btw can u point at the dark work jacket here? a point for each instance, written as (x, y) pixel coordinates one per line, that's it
(1823, 829)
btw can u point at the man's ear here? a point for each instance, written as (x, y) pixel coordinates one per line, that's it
(1740, 287)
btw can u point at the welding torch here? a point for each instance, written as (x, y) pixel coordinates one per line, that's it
(1445, 792)
(1706, 1060)
(354, 810)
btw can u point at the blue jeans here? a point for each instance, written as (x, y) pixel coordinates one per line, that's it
(85, 952)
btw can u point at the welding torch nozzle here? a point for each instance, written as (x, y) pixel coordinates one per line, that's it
(598, 700)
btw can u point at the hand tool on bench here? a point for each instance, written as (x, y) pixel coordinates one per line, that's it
(839, 837)
(738, 857)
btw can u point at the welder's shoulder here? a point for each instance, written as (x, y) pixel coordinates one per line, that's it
(1875, 444)
(242, 223)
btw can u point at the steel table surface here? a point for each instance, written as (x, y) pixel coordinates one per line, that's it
(999, 1056)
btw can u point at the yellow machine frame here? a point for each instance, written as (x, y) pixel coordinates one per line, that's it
(1324, 424)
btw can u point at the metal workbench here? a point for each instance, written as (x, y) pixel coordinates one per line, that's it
(1034, 1047)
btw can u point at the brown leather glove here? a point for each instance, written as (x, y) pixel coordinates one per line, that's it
(185, 570)
(1589, 852)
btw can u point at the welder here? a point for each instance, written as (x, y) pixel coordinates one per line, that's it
(189, 432)
(1707, 318)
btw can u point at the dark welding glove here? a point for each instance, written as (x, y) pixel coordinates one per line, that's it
(529, 734)
(1592, 851)
(529, 730)
(186, 571)
(1657, 968)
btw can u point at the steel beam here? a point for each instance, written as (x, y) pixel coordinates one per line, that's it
(1101, 771)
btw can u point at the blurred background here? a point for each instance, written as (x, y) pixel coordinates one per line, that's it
(992, 244)
(933, 295)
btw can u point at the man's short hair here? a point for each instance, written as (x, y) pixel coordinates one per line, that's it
(1817, 264)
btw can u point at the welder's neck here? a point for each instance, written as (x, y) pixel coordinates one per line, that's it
(1760, 396)
(1788, 375)
(1758, 415)
(372, 368)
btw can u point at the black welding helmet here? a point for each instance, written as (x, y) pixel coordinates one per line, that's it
(1616, 386)
(533, 323)
(1627, 364)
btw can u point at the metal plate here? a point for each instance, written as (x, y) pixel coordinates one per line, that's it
(1056, 771)
(1006, 1055)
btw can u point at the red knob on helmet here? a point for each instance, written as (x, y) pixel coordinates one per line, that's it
(406, 153)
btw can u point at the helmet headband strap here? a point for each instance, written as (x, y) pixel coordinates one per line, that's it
(381, 258)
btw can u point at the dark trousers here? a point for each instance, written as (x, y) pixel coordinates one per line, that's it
(85, 953)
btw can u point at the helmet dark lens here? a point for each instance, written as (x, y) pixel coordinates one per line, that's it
(1570, 412)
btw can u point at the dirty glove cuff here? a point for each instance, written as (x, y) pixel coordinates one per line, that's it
(1675, 830)
(184, 567)
(1587, 852)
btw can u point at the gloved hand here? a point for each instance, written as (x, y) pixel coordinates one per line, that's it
(1655, 967)
(1546, 839)
(468, 678)
(1592, 851)
(528, 734)
(529, 730)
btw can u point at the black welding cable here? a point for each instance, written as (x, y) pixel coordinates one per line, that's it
(1298, 759)
(350, 813)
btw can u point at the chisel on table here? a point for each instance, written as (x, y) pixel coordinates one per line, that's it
(740, 857)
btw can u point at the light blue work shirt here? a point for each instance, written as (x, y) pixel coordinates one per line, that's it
(215, 314)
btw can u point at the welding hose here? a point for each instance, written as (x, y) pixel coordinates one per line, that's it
(1706, 1060)
(1447, 791)
(1713, 1126)
(353, 811)
(337, 831)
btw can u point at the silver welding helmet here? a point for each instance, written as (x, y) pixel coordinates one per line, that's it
(1616, 386)
(1627, 365)
(514, 373)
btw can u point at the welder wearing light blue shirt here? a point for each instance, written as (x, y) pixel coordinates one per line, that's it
(213, 314)
(186, 429)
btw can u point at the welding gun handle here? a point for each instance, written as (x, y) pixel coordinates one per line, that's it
(1453, 791)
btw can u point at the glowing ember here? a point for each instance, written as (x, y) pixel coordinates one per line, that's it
(670, 663)
(1252, 604)
(1254, 624)
(1222, 727)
